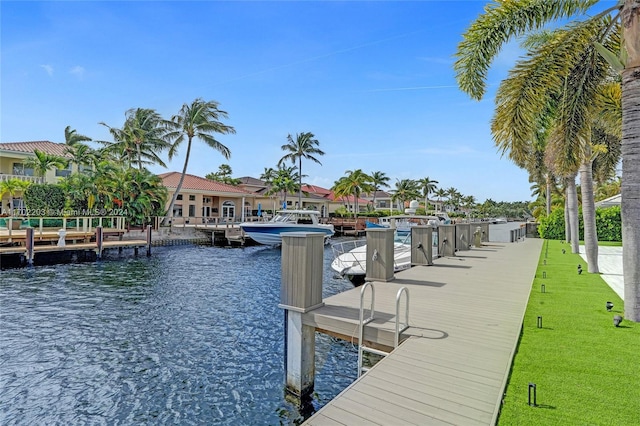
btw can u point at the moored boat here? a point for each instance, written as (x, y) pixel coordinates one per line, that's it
(269, 233)
(350, 257)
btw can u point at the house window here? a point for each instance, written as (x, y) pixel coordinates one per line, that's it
(192, 210)
(177, 210)
(63, 172)
(179, 197)
(206, 200)
(20, 169)
(382, 204)
(192, 197)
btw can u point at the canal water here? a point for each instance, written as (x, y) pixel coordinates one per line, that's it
(191, 335)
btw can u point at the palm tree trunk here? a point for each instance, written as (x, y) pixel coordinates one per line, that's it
(548, 196)
(567, 225)
(184, 172)
(589, 216)
(572, 201)
(630, 187)
(300, 183)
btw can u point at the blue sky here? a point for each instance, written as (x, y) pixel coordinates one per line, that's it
(373, 81)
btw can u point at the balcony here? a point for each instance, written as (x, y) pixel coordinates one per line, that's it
(32, 179)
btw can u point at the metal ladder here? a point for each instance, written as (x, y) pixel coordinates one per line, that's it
(398, 330)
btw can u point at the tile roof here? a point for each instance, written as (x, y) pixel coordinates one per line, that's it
(248, 180)
(171, 179)
(29, 147)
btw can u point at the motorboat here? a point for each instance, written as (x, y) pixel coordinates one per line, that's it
(350, 257)
(403, 223)
(269, 232)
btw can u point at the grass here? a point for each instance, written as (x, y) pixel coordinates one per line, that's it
(587, 371)
(607, 243)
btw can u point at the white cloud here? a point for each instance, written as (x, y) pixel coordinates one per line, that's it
(48, 69)
(78, 71)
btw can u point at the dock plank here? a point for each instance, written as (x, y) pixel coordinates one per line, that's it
(465, 317)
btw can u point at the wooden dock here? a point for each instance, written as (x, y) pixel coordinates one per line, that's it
(465, 319)
(28, 243)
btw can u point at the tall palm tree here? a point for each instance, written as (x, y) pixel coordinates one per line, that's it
(72, 137)
(379, 180)
(453, 196)
(440, 193)
(355, 183)
(284, 180)
(505, 20)
(81, 155)
(143, 136)
(303, 146)
(198, 120)
(405, 190)
(428, 186)
(43, 162)
(560, 100)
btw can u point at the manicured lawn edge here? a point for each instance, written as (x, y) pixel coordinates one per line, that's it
(586, 371)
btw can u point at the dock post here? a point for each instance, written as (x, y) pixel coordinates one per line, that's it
(300, 292)
(446, 240)
(149, 227)
(99, 241)
(380, 251)
(463, 236)
(485, 231)
(29, 243)
(422, 245)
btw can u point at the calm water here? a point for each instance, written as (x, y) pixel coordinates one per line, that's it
(192, 335)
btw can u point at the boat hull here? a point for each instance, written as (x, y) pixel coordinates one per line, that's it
(270, 234)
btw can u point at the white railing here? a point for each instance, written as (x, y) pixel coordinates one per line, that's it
(16, 225)
(32, 179)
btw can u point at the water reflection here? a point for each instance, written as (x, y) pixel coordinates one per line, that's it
(192, 335)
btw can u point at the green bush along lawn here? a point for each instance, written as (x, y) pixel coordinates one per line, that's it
(587, 371)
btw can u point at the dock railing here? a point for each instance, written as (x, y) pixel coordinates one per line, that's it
(15, 225)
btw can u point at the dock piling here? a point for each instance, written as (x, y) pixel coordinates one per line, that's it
(422, 245)
(300, 292)
(29, 243)
(149, 240)
(380, 251)
(99, 241)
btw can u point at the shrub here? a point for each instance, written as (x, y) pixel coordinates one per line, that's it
(44, 199)
(608, 224)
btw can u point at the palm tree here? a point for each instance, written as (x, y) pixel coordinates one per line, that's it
(72, 137)
(454, 197)
(428, 186)
(144, 135)
(198, 120)
(304, 146)
(378, 180)
(284, 180)
(406, 190)
(355, 183)
(12, 187)
(81, 155)
(440, 193)
(505, 20)
(43, 162)
(560, 101)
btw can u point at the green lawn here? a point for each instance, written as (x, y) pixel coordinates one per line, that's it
(587, 371)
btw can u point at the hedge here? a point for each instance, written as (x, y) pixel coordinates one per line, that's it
(608, 224)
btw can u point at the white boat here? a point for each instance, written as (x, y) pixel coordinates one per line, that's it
(350, 257)
(403, 223)
(268, 233)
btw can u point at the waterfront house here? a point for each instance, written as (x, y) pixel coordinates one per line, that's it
(206, 201)
(12, 157)
(382, 200)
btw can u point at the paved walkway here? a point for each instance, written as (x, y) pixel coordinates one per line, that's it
(610, 265)
(465, 315)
